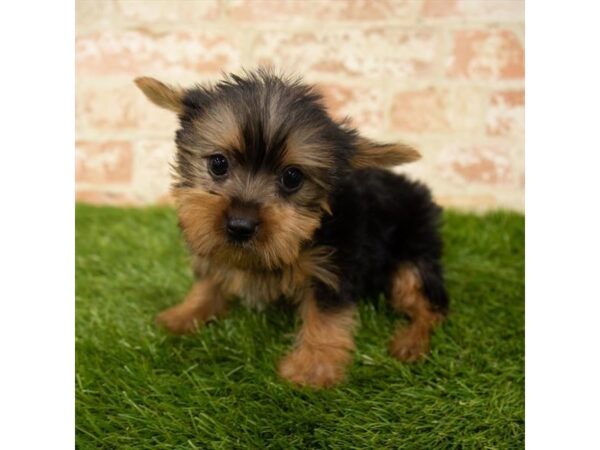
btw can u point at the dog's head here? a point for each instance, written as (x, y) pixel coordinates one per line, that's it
(257, 157)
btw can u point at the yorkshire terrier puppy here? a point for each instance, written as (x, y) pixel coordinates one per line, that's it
(278, 200)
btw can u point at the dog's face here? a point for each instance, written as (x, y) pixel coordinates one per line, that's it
(257, 158)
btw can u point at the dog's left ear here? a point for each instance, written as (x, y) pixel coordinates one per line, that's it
(373, 154)
(160, 94)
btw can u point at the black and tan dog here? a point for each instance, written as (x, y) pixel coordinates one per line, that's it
(277, 200)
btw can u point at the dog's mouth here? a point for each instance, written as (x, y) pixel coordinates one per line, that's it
(248, 246)
(246, 255)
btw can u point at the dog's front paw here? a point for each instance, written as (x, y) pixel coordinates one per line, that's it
(180, 319)
(317, 368)
(409, 346)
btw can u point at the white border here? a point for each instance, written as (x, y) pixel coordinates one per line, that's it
(563, 225)
(37, 236)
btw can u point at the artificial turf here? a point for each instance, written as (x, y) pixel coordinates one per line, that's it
(137, 387)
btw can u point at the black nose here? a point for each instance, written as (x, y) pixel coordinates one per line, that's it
(241, 229)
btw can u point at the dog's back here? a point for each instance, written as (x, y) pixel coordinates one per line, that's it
(381, 221)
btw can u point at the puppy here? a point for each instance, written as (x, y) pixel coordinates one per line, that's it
(277, 200)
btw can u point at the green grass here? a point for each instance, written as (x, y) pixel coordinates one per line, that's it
(136, 387)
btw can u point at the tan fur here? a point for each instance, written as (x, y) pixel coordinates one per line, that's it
(160, 94)
(201, 216)
(306, 151)
(316, 263)
(248, 187)
(412, 343)
(257, 287)
(203, 302)
(277, 259)
(284, 229)
(324, 204)
(281, 233)
(372, 154)
(220, 126)
(324, 346)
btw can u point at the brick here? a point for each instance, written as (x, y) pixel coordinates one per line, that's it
(100, 167)
(477, 164)
(339, 10)
(107, 14)
(135, 53)
(486, 54)
(354, 52)
(103, 162)
(506, 113)
(493, 10)
(174, 12)
(362, 105)
(120, 107)
(439, 8)
(438, 110)
(358, 52)
(90, 14)
(152, 178)
(103, 197)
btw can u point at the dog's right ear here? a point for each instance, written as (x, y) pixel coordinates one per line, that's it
(160, 94)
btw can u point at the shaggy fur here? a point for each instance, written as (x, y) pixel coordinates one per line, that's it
(276, 199)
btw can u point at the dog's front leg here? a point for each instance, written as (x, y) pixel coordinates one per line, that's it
(203, 302)
(324, 345)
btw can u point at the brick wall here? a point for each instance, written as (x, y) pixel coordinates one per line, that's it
(446, 76)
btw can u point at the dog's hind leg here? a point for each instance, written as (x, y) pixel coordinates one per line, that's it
(407, 295)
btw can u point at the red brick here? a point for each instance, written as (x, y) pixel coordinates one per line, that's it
(487, 54)
(103, 162)
(339, 10)
(103, 197)
(176, 12)
(485, 164)
(506, 113)
(90, 14)
(352, 52)
(364, 106)
(152, 177)
(120, 107)
(493, 10)
(439, 8)
(135, 53)
(438, 110)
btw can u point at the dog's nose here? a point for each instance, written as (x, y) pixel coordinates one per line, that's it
(241, 229)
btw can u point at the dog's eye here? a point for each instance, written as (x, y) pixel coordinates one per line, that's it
(291, 179)
(218, 165)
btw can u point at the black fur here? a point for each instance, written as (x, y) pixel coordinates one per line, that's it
(381, 220)
(348, 230)
(297, 106)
